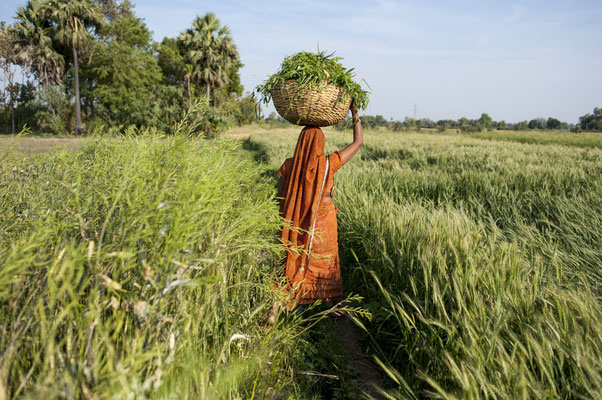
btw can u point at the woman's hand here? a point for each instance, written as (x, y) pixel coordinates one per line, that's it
(354, 117)
(353, 110)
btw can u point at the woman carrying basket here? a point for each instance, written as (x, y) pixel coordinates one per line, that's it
(306, 187)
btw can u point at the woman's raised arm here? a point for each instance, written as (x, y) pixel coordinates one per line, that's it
(358, 137)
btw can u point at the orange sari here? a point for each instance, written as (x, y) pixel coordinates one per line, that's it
(312, 263)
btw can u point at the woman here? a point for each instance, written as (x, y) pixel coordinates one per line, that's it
(306, 187)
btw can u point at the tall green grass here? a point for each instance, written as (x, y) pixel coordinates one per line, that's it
(480, 261)
(583, 139)
(139, 267)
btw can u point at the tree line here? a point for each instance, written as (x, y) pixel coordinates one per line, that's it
(93, 63)
(588, 122)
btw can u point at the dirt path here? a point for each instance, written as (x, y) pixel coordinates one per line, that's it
(368, 375)
(31, 145)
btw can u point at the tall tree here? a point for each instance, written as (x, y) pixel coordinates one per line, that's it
(521, 126)
(209, 48)
(553, 123)
(591, 122)
(113, 9)
(8, 59)
(73, 19)
(172, 63)
(537, 123)
(485, 121)
(34, 47)
(125, 70)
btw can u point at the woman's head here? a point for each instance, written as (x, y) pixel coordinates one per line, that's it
(310, 143)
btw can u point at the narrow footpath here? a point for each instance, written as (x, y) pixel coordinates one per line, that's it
(368, 377)
(355, 374)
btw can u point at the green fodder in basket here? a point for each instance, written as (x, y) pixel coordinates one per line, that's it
(312, 69)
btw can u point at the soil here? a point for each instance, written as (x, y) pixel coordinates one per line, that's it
(29, 146)
(368, 377)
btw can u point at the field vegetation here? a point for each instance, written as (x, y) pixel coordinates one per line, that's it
(479, 258)
(138, 266)
(564, 138)
(142, 264)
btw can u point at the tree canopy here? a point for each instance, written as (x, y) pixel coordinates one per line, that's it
(36, 50)
(125, 71)
(94, 62)
(592, 122)
(208, 47)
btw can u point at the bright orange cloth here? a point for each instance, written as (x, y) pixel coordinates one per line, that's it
(303, 174)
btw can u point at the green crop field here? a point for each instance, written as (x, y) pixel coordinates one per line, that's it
(134, 267)
(478, 256)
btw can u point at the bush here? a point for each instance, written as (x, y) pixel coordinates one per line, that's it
(471, 128)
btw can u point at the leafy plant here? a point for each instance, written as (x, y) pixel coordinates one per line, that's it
(312, 69)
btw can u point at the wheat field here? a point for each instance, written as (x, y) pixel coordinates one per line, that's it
(479, 258)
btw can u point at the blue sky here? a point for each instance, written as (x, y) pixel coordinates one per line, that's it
(452, 59)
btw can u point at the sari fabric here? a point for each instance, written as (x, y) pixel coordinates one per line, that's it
(317, 276)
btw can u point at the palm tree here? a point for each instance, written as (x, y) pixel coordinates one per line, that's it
(34, 48)
(209, 48)
(74, 18)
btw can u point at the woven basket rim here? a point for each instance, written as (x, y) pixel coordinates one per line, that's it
(310, 87)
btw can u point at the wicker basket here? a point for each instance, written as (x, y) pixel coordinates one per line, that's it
(318, 106)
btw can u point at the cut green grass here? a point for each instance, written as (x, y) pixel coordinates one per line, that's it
(310, 70)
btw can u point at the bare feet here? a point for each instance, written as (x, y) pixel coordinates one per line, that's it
(274, 313)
